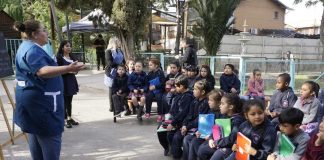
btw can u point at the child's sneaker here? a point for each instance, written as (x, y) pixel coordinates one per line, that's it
(147, 115)
(159, 118)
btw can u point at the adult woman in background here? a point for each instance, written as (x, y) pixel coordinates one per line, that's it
(64, 57)
(39, 93)
(114, 57)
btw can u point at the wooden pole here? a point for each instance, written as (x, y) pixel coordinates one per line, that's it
(58, 30)
(1, 153)
(7, 121)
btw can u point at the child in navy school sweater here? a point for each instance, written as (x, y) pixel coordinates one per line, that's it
(156, 82)
(231, 107)
(138, 85)
(229, 82)
(283, 98)
(190, 123)
(119, 90)
(179, 110)
(258, 129)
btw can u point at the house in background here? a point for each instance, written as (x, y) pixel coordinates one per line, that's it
(6, 23)
(260, 14)
(309, 30)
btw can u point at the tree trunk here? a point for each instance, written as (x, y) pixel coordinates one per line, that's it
(127, 43)
(322, 35)
(58, 30)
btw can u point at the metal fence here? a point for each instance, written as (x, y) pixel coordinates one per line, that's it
(299, 70)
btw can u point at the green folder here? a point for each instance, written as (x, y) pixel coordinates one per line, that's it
(226, 126)
(285, 146)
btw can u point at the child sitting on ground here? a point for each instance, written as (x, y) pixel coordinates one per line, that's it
(309, 105)
(283, 97)
(206, 74)
(192, 73)
(229, 81)
(258, 129)
(179, 110)
(231, 107)
(119, 90)
(255, 86)
(190, 123)
(170, 89)
(315, 147)
(138, 85)
(290, 120)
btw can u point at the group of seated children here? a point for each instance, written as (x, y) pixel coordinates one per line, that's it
(263, 126)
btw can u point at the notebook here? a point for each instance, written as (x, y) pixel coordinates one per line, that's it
(155, 82)
(241, 143)
(286, 147)
(217, 132)
(205, 124)
(226, 126)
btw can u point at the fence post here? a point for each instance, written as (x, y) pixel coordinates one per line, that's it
(162, 60)
(212, 65)
(242, 73)
(292, 73)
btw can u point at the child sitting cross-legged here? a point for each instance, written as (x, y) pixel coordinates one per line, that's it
(283, 97)
(290, 120)
(309, 105)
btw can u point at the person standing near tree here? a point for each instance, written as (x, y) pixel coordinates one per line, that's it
(190, 54)
(114, 57)
(39, 92)
(100, 44)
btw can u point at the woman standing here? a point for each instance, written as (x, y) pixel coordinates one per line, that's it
(64, 58)
(39, 92)
(114, 57)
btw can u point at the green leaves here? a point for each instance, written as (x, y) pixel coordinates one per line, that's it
(13, 8)
(211, 24)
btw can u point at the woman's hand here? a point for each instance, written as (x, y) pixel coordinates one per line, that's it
(271, 156)
(211, 143)
(75, 67)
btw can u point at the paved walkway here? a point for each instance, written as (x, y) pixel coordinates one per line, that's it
(97, 137)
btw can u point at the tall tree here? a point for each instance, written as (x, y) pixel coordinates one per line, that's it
(13, 8)
(312, 3)
(212, 22)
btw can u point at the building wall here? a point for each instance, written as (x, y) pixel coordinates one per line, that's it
(309, 30)
(261, 46)
(6, 24)
(259, 14)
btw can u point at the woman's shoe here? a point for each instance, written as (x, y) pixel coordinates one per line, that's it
(68, 124)
(73, 122)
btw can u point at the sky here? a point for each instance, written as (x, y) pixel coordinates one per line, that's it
(301, 16)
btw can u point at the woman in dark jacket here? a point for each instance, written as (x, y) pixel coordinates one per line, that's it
(64, 57)
(114, 57)
(190, 54)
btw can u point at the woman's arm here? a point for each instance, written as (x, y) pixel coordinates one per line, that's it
(53, 71)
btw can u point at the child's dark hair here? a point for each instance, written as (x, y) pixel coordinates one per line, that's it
(255, 71)
(234, 99)
(140, 63)
(313, 86)
(182, 80)
(253, 102)
(203, 85)
(285, 77)
(230, 65)
(216, 95)
(121, 66)
(177, 64)
(191, 68)
(207, 68)
(291, 116)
